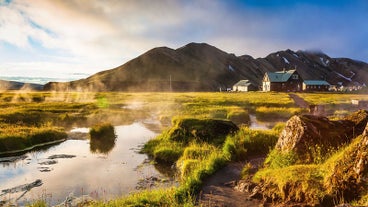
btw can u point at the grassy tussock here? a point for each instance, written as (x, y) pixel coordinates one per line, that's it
(247, 142)
(158, 197)
(39, 203)
(298, 183)
(328, 183)
(102, 131)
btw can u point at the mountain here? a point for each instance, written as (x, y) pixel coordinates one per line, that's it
(14, 85)
(202, 67)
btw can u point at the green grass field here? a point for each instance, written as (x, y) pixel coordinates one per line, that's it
(29, 118)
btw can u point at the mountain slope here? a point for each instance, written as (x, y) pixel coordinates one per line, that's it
(14, 85)
(202, 67)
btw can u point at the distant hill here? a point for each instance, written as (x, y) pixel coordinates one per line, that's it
(14, 85)
(202, 67)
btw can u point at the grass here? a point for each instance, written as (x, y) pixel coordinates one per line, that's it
(158, 197)
(329, 183)
(16, 138)
(102, 138)
(264, 113)
(196, 158)
(186, 144)
(30, 119)
(195, 154)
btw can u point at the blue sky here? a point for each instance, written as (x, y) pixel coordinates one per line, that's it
(54, 38)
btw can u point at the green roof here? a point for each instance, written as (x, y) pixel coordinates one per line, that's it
(316, 83)
(280, 76)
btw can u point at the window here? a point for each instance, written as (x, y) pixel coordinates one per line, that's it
(295, 77)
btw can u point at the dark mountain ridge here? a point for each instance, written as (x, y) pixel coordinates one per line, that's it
(202, 67)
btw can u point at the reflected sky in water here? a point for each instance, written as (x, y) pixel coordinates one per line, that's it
(100, 175)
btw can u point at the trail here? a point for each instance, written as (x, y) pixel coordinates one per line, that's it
(218, 190)
(299, 101)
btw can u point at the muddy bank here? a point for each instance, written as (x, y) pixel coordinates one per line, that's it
(222, 189)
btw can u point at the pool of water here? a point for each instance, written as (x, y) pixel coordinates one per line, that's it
(78, 168)
(256, 124)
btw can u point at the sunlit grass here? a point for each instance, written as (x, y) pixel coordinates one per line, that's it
(25, 114)
(328, 183)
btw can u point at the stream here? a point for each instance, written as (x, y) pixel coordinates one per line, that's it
(77, 167)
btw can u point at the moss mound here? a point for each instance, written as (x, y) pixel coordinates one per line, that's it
(206, 130)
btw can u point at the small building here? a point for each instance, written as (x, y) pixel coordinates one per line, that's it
(244, 85)
(360, 103)
(316, 85)
(286, 80)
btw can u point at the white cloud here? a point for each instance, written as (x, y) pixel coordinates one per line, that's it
(93, 35)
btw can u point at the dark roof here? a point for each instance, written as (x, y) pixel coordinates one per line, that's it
(280, 76)
(243, 83)
(316, 83)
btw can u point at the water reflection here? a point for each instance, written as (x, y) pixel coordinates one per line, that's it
(103, 146)
(84, 173)
(256, 124)
(102, 139)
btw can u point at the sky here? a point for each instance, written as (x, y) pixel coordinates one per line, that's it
(76, 38)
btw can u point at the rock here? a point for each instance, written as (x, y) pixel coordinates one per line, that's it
(149, 182)
(48, 162)
(256, 193)
(61, 156)
(72, 201)
(45, 169)
(24, 187)
(245, 186)
(309, 136)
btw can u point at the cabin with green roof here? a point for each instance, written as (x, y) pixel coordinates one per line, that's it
(286, 80)
(316, 85)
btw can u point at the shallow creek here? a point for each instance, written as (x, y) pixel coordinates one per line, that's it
(76, 167)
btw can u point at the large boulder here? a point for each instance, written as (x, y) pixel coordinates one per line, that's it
(309, 136)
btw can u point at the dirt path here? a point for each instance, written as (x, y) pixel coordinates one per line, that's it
(218, 190)
(299, 101)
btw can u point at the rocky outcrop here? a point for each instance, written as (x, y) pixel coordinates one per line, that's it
(340, 178)
(309, 136)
